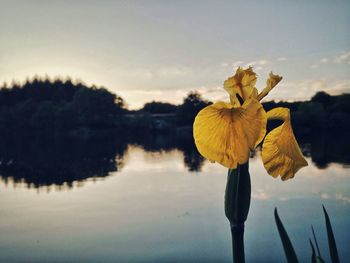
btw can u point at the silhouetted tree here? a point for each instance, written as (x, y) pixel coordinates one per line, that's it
(44, 117)
(312, 114)
(159, 107)
(42, 105)
(322, 97)
(95, 107)
(188, 110)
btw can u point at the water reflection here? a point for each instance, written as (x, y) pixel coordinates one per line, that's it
(62, 162)
(330, 148)
(59, 161)
(156, 143)
(152, 209)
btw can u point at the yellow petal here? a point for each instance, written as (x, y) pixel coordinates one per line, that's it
(242, 84)
(225, 134)
(281, 153)
(271, 82)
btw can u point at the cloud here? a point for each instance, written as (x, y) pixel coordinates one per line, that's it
(256, 63)
(324, 60)
(341, 197)
(342, 58)
(331, 87)
(213, 93)
(339, 87)
(305, 89)
(261, 194)
(148, 74)
(282, 59)
(336, 196)
(236, 64)
(173, 71)
(324, 196)
(315, 66)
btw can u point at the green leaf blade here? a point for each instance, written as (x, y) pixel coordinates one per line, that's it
(287, 244)
(331, 240)
(313, 256)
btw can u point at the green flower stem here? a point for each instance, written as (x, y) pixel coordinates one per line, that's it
(237, 203)
(237, 232)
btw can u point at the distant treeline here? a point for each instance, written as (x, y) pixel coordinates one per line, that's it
(323, 113)
(43, 106)
(47, 107)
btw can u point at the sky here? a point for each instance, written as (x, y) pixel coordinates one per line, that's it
(161, 50)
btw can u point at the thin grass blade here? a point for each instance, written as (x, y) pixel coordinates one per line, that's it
(313, 256)
(318, 249)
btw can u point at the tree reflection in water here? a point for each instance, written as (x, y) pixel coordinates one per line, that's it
(64, 162)
(59, 161)
(330, 148)
(156, 143)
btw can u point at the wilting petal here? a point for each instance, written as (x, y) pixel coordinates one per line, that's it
(281, 153)
(225, 134)
(271, 82)
(242, 84)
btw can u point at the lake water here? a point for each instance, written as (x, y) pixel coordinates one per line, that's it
(163, 204)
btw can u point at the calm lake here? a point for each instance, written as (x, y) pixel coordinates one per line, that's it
(159, 201)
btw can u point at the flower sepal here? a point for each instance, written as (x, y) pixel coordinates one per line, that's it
(237, 195)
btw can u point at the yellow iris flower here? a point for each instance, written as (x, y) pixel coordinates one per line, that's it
(226, 132)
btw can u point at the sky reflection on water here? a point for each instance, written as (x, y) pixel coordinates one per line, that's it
(155, 210)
